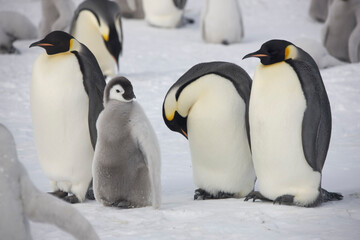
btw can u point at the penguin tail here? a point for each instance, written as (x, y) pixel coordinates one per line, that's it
(331, 196)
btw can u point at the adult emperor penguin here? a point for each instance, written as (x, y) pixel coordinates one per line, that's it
(126, 167)
(66, 99)
(341, 33)
(97, 24)
(209, 105)
(290, 126)
(222, 22)
(21, 201)
(164, 13)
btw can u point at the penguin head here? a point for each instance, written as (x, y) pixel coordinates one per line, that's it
(56, 42)
(120, 89)
(274, 51)
(173, 120)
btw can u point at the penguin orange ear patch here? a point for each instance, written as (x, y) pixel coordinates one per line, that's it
(290, 52)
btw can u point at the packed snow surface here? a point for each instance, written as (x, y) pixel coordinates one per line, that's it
(153, 59)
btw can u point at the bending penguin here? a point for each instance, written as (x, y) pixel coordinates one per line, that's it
(341, 33)
(131, 8)
(97, 24)
(209, 105)
(66, 99)
(126, 167)
(164, 13)
(290, 126)
(21, 201)
(222, 22)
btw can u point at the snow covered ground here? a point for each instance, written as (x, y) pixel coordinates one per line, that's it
(153, 60)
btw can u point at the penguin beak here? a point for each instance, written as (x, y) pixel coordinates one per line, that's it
(258, 54)
(41, 44)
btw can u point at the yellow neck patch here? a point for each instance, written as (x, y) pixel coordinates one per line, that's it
(71, 44)
(290, 52)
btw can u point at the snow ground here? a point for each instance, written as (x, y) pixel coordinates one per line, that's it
(153, 60)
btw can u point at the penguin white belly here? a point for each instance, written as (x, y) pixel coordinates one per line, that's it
(222, 21)
(277, 105)
(86, 31)
(162, 13)
(217, 135)
(59, 107)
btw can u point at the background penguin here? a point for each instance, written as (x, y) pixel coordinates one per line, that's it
(66, 98)
(341, 33)
(164, 13)
(56, 15)
(14, 26)
(319, 9)
(208, 105)
(21, 201)
(97, 24)
(126, 165)
(131, 8)
(222, 22)
(290, 126)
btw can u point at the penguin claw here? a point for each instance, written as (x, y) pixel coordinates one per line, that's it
(254, 195)
(123, 204)
(285, 199)
(71, 199)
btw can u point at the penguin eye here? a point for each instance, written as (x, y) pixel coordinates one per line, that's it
(117, 90)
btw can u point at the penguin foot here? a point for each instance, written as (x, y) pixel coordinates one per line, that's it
(254, 195)
(285, 199)
(123, 204)
(59, 194)
(201, 194)
(225, 42)
(189, 20)
(331, 196)
(71, 199)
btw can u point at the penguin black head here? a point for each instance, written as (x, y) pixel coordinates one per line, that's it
(55, 42)
(119, 88)
(274, 51)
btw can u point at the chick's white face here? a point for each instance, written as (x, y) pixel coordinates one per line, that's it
(116, 93)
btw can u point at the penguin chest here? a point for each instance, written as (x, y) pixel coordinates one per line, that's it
(87, 31)
(217, 136)
(162, 13)
(59, 107)
(277, 105)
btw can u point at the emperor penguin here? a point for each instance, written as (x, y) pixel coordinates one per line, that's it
(164, 13)
(290, 126)
(21, 201)
(209, 106)
(97, 24)
(66, 99)
(222, 22)
(127, 162)
(341, 33)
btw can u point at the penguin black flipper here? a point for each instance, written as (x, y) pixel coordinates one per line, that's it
(238, 76)
(94, 84)
(316, 125)
(180, 4)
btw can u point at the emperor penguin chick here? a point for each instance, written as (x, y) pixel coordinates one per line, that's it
(97, 24)
(66, 98)
(126, 167)
(290, 126)
(209, 105)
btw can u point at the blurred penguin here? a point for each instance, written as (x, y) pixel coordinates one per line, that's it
(341, 35)
(222, 22)
(131, 8)
(164, 13)
(21, 201)
(56, 15)
(97, 24)
(14, 26)
(319, 9)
